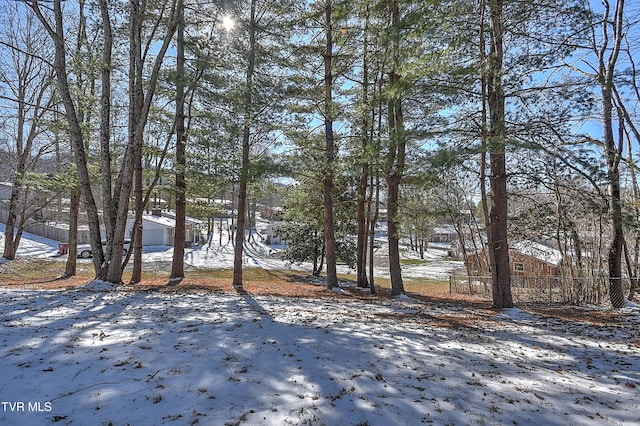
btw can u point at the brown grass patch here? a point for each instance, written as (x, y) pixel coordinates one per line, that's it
(42, 274)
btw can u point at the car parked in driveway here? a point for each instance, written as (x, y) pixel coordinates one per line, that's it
(84, 250)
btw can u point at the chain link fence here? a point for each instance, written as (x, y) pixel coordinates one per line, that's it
(549, 290)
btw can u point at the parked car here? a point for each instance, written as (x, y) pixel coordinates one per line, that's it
(84, 250)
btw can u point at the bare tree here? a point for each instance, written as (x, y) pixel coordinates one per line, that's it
(105, 125)
(28, 82)
(54, 25)
(141, 93)
(607, 51)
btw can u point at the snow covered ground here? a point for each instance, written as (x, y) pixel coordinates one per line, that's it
(99, 356)
(106, 356)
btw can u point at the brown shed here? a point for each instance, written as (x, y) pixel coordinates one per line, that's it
(527, 258)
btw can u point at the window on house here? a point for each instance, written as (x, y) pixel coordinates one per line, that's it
(518, 267)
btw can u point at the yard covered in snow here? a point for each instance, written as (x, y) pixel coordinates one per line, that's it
(105, 356)
(116, 356)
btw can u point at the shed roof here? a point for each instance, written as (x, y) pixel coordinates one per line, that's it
(538, 251)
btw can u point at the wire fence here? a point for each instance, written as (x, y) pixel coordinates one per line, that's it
(549, 290)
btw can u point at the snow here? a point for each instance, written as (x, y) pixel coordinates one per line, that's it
(120, 357)
(109, 355)
(32, 245)
(539, 251)
(257, 254)
(98, 285)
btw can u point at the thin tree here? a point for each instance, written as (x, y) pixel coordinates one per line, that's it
(56, 31)
(607, 53)
(140, 101)
(105, 125)
(366, 134)
(246, 139)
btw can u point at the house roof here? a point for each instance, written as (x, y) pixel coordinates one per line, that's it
(444, 230)
(538, 251)
(161, 220)
(168, 219)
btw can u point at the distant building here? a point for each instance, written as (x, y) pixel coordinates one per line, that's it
(527, 258)
(273, 235)
(443, 235)
(158, 229)
(533, 259)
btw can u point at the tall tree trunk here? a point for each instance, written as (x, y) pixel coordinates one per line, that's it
(607, 59)
(33, 98)
(75, 130)
(327, 182)
(361, 243)
(633, 260)
(484, 140)
(105, 126)
(246, 139)
(395, 270)
(501, 287)
(614, 153)
(374, 201)
(177, 265)
(139, 107)
(131, 174)
(19, 192)
(138, 208)
(396, 155)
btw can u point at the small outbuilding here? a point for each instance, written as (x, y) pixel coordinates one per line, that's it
(158, 229)
(533, 259)
(527, 258)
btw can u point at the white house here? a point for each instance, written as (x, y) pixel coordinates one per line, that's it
(158, 229)
(273, 234)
